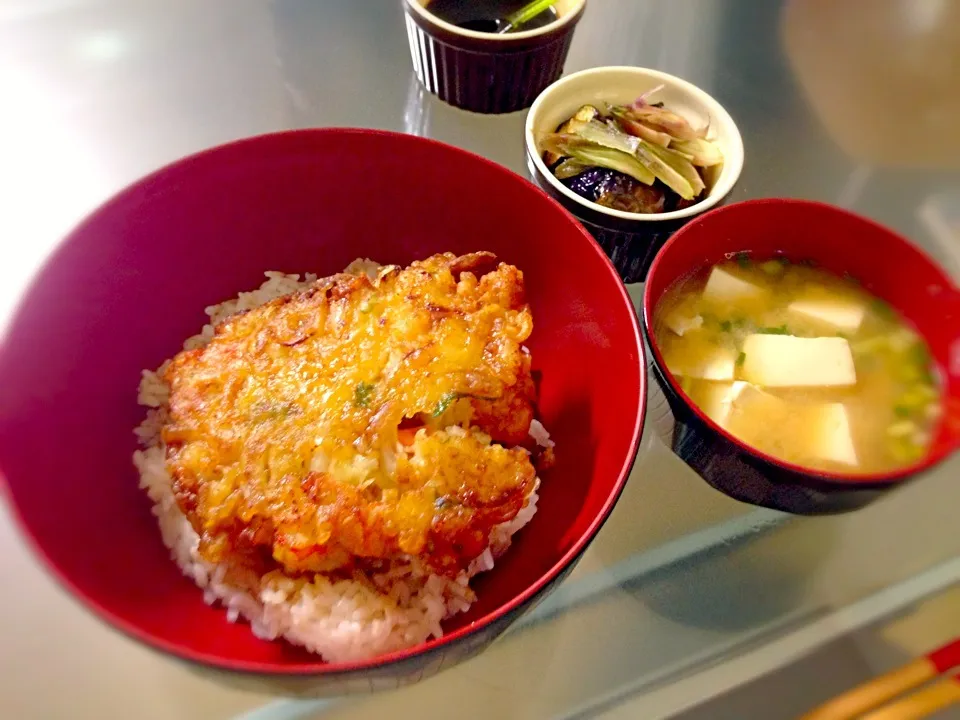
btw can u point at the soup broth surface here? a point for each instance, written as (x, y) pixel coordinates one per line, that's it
(801, 364)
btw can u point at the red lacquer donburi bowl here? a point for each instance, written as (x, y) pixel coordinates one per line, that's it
(130, 284)
(887, 265)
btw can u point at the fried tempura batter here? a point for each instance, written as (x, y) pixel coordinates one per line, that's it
(352, 421)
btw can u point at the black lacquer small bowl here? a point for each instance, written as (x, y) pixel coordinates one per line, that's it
(485, 72)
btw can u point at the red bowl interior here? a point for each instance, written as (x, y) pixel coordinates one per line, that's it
(130, 284)
(887, 265)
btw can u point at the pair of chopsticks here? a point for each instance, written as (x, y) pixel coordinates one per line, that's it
(885, 698)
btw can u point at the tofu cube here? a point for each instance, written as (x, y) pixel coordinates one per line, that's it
(831, 437)
(681, 322)
(790, 430)
(711, 363)
(716, 399)
(838, 312)
(790, 361)
(757, 417)
(724, 288)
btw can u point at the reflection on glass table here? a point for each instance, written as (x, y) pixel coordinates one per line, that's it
(841, 56)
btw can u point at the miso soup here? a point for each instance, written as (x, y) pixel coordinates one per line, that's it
(801, 364)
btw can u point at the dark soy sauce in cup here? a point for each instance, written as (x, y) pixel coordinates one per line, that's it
(487, 15)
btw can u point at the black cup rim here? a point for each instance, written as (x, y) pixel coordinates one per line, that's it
(490, 43)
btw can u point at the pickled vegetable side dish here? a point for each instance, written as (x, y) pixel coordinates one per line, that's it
(638, 158)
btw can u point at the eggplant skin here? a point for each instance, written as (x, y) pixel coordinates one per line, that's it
(617, 191)
(589, 184)
(625, 193)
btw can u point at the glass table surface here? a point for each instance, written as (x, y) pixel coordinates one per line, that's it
(685, 592)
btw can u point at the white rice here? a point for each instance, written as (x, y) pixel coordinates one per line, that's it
(540, 435)
(341, 619)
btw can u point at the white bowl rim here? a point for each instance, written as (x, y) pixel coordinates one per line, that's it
(733, 160)
(564, 19)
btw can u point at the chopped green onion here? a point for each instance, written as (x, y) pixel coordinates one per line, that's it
(741, 358)
(883, 309)
(902, 428)
(870, 345)
(902, 411)
(917, 397)
(743, 259)
(906, 451)
(920, 354)
(908, 372)
(445, 402)
(726, 326)
(781, 330)
(528, 12)
(362, 393)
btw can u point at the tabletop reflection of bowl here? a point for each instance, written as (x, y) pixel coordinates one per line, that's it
(127, 287)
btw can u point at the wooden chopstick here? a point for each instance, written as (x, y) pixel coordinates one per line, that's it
(926, 701)
(882, 689)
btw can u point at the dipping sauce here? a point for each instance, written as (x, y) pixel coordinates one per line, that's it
(801, 364)
(486, 15)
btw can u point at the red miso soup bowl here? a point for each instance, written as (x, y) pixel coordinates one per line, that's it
(127, 287)
(886, 264)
